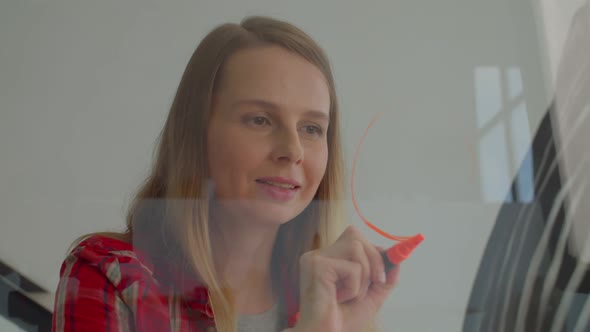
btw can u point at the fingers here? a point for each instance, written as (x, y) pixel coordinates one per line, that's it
(343, 283)
(353, 246)
(326, 277)
(353, 251)
(376, 262)
(379, 292)
(350, 284)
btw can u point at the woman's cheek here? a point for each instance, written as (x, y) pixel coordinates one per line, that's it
(318, 162)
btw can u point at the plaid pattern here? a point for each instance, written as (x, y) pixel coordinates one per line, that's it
(106, 285)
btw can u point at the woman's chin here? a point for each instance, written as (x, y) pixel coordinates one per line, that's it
(269, 213)
(260, 212)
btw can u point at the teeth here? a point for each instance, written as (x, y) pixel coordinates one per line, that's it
(280, 185)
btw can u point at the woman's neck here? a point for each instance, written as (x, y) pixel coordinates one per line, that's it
(243, 255)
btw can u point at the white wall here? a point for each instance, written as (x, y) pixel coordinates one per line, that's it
(85, 88)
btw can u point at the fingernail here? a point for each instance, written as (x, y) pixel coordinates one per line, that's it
(382, 278)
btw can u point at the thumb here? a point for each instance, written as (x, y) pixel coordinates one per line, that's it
(379, 292)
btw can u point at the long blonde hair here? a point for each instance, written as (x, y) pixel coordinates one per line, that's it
(173, 202)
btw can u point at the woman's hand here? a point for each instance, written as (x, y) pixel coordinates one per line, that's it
(343, 286)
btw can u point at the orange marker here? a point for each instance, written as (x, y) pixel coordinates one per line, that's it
(399, 252)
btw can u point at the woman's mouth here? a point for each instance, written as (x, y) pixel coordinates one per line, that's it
(278, 189)
(278, 184)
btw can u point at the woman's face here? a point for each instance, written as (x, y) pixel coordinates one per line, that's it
(267, 141)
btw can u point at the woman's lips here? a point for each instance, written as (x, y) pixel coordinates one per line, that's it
(279, 191)
(280, 181)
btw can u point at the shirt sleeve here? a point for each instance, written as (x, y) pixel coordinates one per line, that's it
(86, 300)
(105, 286)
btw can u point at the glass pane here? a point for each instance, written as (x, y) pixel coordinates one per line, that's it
(209, 149)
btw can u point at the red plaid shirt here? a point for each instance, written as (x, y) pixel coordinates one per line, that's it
(107, 285)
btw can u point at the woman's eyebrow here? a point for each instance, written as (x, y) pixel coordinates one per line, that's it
(318, 115)
(256, 102)
(267, 105)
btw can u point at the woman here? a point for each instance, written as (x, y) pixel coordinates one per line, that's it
(236, 227)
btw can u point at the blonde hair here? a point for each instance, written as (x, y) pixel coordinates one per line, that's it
(170, 212)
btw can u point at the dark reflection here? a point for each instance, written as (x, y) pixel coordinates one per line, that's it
(530, 278)
(16, 304)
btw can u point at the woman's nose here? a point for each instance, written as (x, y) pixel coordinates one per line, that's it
(288, 147)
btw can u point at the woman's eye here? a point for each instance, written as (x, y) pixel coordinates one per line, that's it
(259, 120)
(313, 130)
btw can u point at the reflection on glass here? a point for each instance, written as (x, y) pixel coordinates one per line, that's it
(504, 135)
(520, 138)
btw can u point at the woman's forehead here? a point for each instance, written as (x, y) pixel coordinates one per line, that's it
(277, 76)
